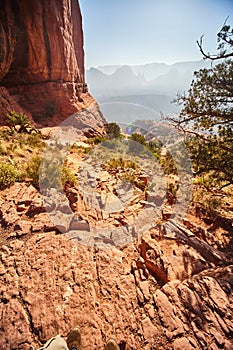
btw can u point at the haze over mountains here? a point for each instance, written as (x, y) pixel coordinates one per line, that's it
(121, 90)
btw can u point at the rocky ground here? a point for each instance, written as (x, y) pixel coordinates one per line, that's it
(165, 285)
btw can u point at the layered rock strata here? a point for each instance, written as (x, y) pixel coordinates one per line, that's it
(42, 60)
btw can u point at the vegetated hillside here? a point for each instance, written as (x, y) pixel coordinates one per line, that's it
(108, 247)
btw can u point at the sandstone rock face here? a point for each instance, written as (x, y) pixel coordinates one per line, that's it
(42, 59)
(163, 291)
(47, 41)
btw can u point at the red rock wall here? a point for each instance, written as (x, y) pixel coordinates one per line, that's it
(42, 59)
(47, 39)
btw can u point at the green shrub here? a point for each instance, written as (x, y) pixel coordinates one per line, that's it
(35, 140)
(32, 170)
(6, 134)
(15, 119)
(206, 181)
(204, 199)
(113, 130)
(95, 140)
(121, 163)
(138, 138)
(8, 175)
(50, 173)
(128, 171)
(67, 177)
(168, 164)
(80, 149)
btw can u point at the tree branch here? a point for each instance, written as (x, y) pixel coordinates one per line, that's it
(201, 136)
(211, 57)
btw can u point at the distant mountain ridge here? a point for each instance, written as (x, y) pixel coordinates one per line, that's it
(153, 70)
(147, 83)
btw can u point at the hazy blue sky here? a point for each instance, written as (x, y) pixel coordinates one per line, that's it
(146, 31)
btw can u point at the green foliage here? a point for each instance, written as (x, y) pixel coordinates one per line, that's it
(95, 140)
(126, 169)
(154, 148)
(15, 119)
(32, 170)
(35, 140)
(138, 138)
(8, 175)
(110, 144)
(113, 131)
(207, 118)
(11, 148)
(168, 164)
(80, 149)
(225, 40)
(172, 189)
(209, 202)
(137, 144)
(206, 181)
(68, 178)
(6, 134)
(50, 173)
(121, 163)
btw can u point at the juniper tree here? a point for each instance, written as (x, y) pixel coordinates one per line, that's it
(206, 117)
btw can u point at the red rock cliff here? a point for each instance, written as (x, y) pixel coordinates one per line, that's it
(42, 59)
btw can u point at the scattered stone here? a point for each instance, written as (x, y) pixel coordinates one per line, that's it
(24, 226)
(185, 343)
(79, 224)
(42, 222)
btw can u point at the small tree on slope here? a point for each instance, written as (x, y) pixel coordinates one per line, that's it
(207, 114)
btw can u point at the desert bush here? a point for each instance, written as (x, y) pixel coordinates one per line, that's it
(121, 163)
(35, 140)
(95, 140)
(6, 134)
(67, 177)
(80, 149)
(113, 130)
(138, 138)
(136, 148)
(11, 148)
(9, 174)
(168, 164)
(19, 120)
(206, 200)
(171, 192)
(49, 173)
(32, 170)
(206, 181)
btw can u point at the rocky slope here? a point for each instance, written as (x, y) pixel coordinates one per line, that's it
(169, 289)
(42, 60)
